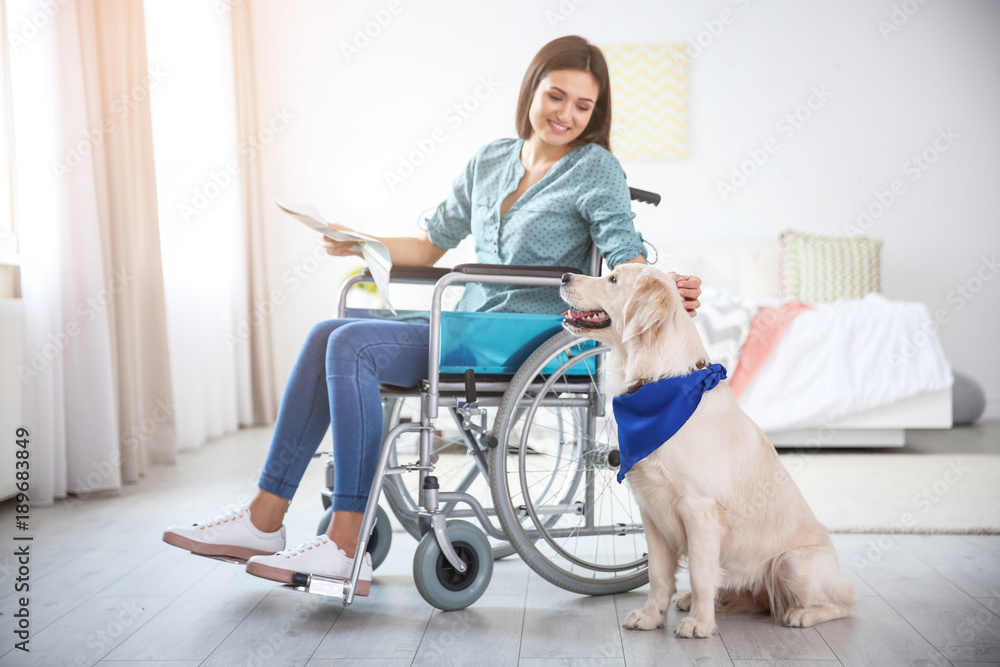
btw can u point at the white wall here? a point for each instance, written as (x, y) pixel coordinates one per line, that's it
(890, 92)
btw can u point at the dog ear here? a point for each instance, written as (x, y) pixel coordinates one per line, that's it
(648, 307)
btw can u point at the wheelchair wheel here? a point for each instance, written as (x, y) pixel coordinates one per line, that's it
(378, 543)
(439, 583)
(454, 466)
(554, 473)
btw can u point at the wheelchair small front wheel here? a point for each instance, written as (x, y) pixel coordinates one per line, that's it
(438, 582)
(378, 543)
(454, 466)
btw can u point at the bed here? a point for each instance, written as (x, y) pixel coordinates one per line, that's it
(851, 372)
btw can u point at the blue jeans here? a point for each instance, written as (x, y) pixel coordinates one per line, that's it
(335, 383)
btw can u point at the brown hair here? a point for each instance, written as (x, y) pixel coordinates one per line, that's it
(574, 53)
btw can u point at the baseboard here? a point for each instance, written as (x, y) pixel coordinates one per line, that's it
(822, 438)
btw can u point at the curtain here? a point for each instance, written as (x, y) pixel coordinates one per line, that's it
(118, 83)
(67, 370)
(200, 197)
(141, 269)
(258, 340)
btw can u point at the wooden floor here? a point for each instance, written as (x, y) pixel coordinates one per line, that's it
(105, 590)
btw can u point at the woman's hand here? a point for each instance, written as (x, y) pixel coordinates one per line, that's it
(340, 248)
(689, 288)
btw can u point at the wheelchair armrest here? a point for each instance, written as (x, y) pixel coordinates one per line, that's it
(514, 270)
(412, 274)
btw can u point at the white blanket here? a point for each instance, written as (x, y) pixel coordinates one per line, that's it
(844, 358)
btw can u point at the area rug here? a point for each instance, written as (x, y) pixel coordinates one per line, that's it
(900, 493)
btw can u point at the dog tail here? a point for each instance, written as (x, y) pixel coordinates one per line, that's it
(842, 592)
(788, 588)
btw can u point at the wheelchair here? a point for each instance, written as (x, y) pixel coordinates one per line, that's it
(524, 462)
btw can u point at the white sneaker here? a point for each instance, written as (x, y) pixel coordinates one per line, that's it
(231, 535)
(319, 556)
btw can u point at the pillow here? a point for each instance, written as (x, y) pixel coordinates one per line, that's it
(758, 270)
(746, 270)
(816, 268)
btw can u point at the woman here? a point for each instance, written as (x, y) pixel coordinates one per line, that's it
(541, 199)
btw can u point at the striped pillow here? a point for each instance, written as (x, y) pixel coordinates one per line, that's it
(816, 268)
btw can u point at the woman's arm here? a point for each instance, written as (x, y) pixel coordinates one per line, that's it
(404, 250)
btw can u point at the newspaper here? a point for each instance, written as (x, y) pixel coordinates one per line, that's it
(375, 253)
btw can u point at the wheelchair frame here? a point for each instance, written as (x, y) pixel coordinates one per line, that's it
(437, 393)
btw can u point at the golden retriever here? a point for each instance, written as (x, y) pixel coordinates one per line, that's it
(716, 491)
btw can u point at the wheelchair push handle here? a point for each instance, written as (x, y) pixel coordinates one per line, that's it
(644, 196)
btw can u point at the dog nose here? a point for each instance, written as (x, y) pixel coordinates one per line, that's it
(566, 278)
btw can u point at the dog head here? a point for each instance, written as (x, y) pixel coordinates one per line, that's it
(638, 312)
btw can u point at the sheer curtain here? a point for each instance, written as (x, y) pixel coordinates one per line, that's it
(258, 339)
(118, 82)
(200, 207)
(69, 364)
(127, 357)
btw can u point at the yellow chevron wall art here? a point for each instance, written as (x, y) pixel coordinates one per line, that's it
(650, 98)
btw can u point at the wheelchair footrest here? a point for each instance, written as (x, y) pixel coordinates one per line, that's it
(329, 586)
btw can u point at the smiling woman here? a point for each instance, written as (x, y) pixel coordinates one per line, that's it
(580, 67)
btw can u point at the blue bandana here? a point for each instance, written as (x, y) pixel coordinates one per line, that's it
(652, 414)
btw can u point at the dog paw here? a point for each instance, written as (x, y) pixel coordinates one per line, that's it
(643, 619)
(806, 617)
(683, 602)
(801, 617)
(692, 627)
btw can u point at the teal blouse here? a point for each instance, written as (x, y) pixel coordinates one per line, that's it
(582, 200)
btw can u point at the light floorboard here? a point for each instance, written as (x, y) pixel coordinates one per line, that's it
(757, 637)
(359, 662)
(974, 571)
(572, 662)
(877, 635)
(952, 621)
(923, 599)
(560, 624)
(491, 628)
(279, 632)
(660, 646)
(390, 623)
(988, 543)
(87, 633)
(197, 621)
(82, 576)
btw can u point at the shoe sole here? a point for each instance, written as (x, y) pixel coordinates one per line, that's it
(240, 554)
(285, 577)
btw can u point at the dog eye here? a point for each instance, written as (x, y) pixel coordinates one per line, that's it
(612, 279)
